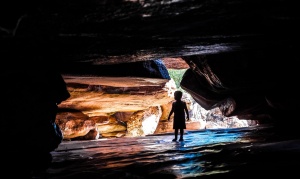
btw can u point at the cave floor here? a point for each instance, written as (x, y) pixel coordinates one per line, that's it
(214, 153)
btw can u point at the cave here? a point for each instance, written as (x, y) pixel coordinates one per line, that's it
(240, 57)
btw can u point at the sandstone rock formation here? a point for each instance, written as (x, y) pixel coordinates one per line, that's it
(105, 107)
(113, 106)
(242, 55)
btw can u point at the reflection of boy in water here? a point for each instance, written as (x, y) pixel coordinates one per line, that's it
(179, 109)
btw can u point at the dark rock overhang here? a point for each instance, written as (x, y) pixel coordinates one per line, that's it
(108, 32)
(249, 46)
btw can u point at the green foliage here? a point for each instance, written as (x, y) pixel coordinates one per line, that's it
(176, 75)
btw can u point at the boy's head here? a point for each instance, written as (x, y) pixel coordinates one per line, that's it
(177, 95)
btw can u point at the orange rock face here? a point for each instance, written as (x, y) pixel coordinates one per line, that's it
(100, 99)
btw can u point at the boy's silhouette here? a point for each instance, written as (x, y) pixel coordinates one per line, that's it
(179, 109)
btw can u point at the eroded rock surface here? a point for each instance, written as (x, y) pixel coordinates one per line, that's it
(113, 106)
(105, 107)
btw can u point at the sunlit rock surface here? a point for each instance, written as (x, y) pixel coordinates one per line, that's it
(74, 124)
(144, 122)
(105, 107)
(113, 106)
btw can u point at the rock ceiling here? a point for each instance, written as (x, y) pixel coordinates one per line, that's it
(241, 54)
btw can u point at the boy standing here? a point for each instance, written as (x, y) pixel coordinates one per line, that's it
(179, 109)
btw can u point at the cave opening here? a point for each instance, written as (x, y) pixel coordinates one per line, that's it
(127, 106)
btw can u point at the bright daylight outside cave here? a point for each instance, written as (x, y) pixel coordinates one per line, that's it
(108, 107)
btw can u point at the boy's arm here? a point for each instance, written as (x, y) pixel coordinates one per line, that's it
(171, 112)
(187, 112)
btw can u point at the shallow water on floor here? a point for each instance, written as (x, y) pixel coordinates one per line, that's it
(203, 153)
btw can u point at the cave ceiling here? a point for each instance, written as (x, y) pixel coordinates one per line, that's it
(238, 50)
(117, 31)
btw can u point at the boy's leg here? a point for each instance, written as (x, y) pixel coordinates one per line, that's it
(181, 135)
(176, 134)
